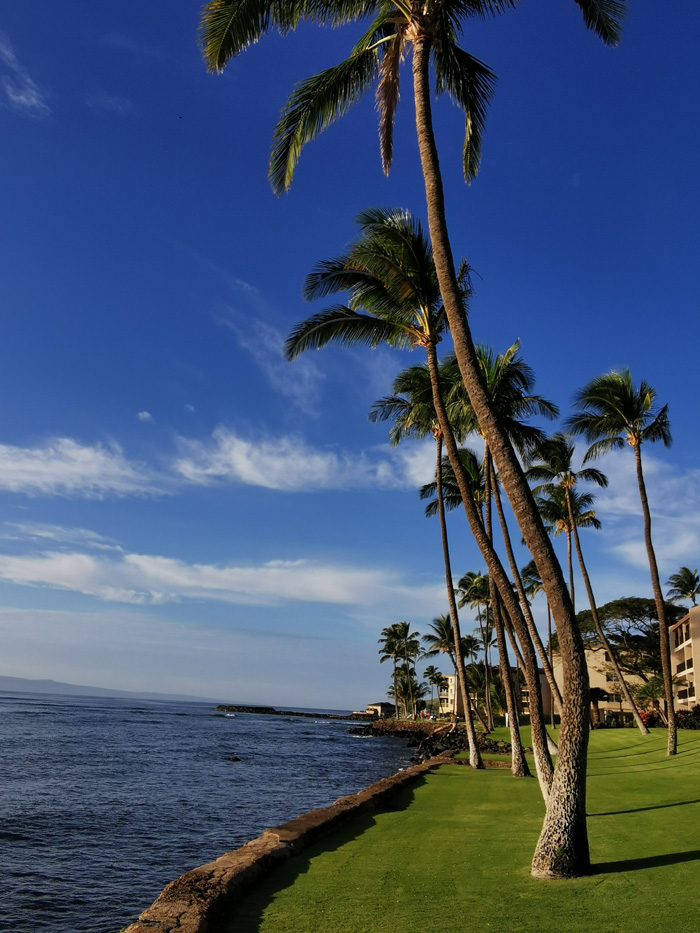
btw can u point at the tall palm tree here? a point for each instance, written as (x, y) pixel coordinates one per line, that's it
(532, 585)
(390, 650)
(551, 462)
(413, 413)
(554, 509)
(509, 383)
(684, 585)
(431, 31)
(473, 589)
(435, 679)
(408, 648)
(613, 413)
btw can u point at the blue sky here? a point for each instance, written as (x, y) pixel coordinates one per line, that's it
(182, 510)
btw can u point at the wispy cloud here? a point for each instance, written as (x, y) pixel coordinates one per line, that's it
(20, 92)
(145, 416)
(57, 534)
(289, 464)
(101, 102)
(151, 580)
(64, 467)
(298, 381)
(674, 498)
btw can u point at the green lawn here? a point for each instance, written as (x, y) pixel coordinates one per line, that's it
(454, 855)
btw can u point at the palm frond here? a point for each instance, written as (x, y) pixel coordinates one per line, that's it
(345, 327)
(387, 95)
(471, 84)
(604, 18)
(313, 106)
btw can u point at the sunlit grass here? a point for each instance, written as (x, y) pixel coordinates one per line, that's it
(456, 852)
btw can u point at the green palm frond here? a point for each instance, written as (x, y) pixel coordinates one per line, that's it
(343, 326)
(604, 18)
(387, 95)
(471, 84)
(314, 104)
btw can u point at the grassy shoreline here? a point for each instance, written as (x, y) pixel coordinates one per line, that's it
(454, 852)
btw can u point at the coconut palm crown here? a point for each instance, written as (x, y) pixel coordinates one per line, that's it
(229, 27)
(684, 585)
(392, 290)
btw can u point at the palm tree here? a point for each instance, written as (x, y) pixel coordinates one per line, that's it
(552, 462)
(614, 413)
(389, 650)
(413, 412)
(408, 647)
(509, 382)
(532, 585)
(228, 28)
(684, 585)
(554, 509)
(441, 640)
(436, 679)
(474, 591)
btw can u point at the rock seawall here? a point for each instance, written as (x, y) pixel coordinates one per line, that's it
(194, 901)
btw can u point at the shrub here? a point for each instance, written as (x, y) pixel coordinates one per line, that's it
(688, 718)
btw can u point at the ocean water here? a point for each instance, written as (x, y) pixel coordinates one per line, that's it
(104, 801)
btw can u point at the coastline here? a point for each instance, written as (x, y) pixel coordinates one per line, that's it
(195, 900)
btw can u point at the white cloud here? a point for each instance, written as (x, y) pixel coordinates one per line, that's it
(674, 500)
(57, 534)
(289, 464)
(20, 91)
(297, 381)
(145, 416)
(150, 580)
(64, 467)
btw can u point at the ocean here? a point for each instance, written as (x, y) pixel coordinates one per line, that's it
(105, 801)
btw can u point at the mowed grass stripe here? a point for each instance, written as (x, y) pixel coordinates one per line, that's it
(455, 855)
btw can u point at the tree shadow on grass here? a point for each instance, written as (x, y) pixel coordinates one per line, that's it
(650, 861)
(658, 806)
(246, 915)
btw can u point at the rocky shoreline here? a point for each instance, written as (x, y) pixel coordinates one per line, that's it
(271, 711)
(430, 739)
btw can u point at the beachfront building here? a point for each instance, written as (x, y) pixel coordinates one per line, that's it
(685, 647)
(607, 697)
(450, 696)
(379, 710)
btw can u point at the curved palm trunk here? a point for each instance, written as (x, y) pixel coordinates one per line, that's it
(562, 849)
(672, 745)
(474, 753)
(596, 620)
(543, 761)
(410, 686)
(519, 765)
(569, 557)
(517, 579)
(486, 635)
(551, 658)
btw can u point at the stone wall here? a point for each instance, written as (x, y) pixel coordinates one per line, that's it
(193, 902)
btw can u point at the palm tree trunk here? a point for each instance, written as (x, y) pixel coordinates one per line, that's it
(562, 850)
(486, 637)
(474, 753)
(551, 659)
(664, 642)
(570, 561)
(543, 761)
(596, 620)
(517, 579)
(519, 764)
(396, 692)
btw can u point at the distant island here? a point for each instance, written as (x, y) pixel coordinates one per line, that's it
(271, 711)
(24, 685)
